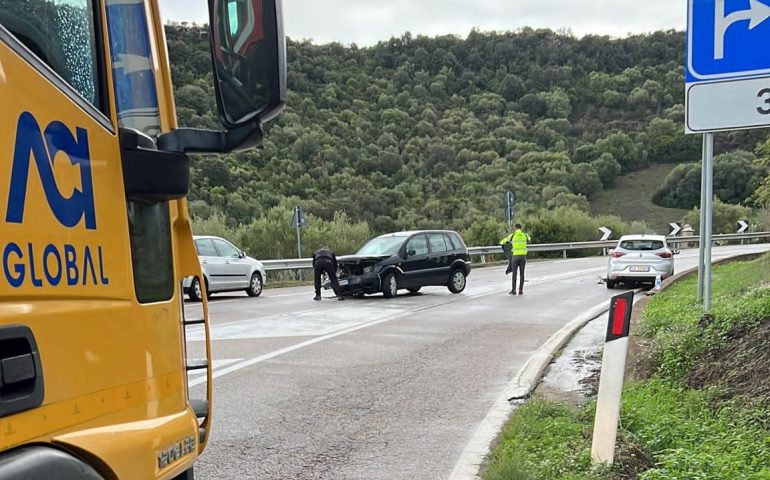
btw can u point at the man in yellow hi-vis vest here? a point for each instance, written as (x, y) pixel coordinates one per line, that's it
(518, 241)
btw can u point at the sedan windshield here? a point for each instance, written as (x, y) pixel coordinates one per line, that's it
(382, 246)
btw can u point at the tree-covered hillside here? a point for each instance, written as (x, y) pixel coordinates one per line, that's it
(431, 132)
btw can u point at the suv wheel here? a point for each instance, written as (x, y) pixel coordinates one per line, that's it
(389, 285)
(456, 281)
(194, 291)
(255, 285)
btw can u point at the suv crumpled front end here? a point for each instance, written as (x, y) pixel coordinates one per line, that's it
(358, 274)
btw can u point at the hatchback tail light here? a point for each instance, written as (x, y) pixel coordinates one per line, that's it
(665, 254)
(615, 254)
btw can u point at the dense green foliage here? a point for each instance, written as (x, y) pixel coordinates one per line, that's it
(736, 176)
(420, 132)
(431, 132)
(670, 429)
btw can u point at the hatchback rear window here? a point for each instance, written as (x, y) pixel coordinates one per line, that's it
(641, 245)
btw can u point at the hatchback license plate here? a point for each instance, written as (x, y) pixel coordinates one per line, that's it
(640, 268)
(343, 282)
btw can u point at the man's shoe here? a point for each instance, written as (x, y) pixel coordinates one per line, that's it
(512, 292)
(317, 297)
(521, 292)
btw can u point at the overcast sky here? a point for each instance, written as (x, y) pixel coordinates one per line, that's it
(365, 22)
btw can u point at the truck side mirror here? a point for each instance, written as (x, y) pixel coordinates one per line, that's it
(248, 50)
(249, 55)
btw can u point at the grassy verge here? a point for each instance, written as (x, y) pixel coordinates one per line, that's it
(703, 414)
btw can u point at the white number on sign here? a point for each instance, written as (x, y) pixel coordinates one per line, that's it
(764, 94)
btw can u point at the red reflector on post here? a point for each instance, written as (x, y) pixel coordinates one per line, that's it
(619, 316)
(619, 323)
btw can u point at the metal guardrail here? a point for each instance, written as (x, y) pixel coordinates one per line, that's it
(306, 263)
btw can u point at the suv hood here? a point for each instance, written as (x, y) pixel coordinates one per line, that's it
(359, 259)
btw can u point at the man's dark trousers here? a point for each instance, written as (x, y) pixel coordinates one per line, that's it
(518, 262)
(325, 265)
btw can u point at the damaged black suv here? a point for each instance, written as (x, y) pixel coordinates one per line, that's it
(406, 260)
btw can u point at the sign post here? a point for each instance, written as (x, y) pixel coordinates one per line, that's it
(510, 208)
(298, 221)
(611, 379)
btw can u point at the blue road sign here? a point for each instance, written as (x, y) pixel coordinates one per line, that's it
(727, 39)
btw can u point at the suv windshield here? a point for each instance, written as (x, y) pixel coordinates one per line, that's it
(641, 245)
(382, 246)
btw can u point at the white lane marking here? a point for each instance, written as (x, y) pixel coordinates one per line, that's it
(276, 353)
(217, 364)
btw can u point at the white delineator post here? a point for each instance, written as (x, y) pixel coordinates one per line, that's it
(611, 379)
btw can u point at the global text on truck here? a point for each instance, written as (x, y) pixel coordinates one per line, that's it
(95, 236)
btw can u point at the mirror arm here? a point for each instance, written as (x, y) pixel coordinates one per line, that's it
(198, 140)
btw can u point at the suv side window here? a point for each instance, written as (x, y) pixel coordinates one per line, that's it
(419, 244)
(205, 248)
(63, 35)
(437, 243)
(225, 249)
(457, 241)
(451, 242)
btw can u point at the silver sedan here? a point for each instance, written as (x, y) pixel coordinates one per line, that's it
(640, 258)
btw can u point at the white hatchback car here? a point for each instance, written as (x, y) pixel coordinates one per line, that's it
(225, 268)
(639, 258)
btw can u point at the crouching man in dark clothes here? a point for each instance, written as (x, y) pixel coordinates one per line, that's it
(324, 261)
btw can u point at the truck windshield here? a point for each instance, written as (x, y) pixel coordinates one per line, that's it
(382, 246)
(62, 34)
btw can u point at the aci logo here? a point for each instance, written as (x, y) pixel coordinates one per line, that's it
(52, 264)
(31, 143)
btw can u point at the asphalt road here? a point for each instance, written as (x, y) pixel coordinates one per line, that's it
(379, 388)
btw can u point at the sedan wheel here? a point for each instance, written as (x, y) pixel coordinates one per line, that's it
(194, 291)
(456, 281)
(255, 285)
(389, 285)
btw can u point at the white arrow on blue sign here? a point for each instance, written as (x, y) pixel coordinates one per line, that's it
(726, 59)
(727, 40)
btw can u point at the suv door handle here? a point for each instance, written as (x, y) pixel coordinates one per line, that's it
(21, 375)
